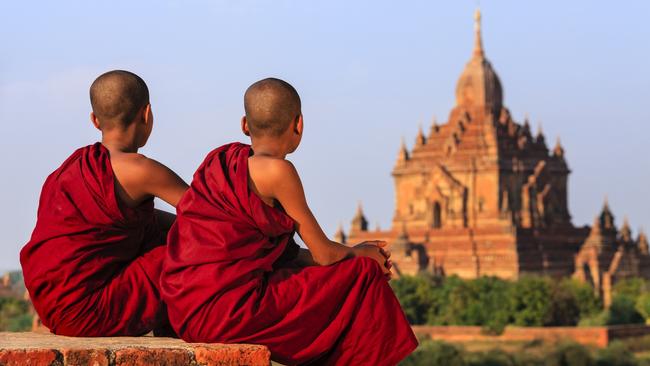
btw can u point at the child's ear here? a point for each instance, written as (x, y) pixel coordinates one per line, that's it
(94, 120)
(299, 125)
(244, 126)
(147, 114)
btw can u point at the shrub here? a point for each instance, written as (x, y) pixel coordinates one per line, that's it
(530, 301)
(631, 287)
(415, 296)
(570, 354)
(588, 303)
(493, 357)
(595, 320)
(616, 354)
(623, 311)
(643, 305)
(564, 309)
(435, 353)
(14, 315)
(479, 302)
(438, 314)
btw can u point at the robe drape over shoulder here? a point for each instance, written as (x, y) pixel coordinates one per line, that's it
(227, 278)
(92, 266)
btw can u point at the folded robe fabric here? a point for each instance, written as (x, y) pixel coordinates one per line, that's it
(227, 278)
(92, 266)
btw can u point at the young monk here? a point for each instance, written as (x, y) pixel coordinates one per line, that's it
(93, 263)
(231, 276)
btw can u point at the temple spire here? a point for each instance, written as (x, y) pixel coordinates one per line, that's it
(434, 126)
(558, 150)
(478, 43)
(626, 231)
(540, 135)
(359, 222)
(642, 242)
(420, 139)
(339, 236)
(606, 217)
(403, 154)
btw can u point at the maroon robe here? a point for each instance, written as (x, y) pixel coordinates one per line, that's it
(92, 266)
(227, 278)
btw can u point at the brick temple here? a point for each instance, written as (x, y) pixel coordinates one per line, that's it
(482, 195)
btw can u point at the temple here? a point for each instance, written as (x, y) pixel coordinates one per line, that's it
(481, 195)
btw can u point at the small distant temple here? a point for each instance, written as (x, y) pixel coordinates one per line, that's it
(482, 195)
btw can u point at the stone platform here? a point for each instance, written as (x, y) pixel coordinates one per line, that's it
(30, 348)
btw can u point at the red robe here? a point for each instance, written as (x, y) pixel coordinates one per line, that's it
(92, 266)
(227, 278)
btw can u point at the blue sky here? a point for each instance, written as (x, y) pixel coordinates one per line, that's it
(368, 72)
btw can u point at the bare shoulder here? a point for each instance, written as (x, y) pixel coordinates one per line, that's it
(268, 175)
(133, 164)
(139, 177)
(270, 168)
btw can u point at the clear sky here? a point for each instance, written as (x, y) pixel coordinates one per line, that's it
(368, 72)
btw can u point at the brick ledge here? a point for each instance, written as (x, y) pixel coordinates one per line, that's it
(29, 348)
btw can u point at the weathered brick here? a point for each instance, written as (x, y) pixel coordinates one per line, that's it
(152, 356)
(36, 349)
(29, 357)
(86, 357)
(232, 355)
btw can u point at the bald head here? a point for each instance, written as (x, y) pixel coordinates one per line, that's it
(271, 105)
(117, 96)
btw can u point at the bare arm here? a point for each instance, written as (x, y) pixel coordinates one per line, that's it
(289, 192)
(163, 183)
(140, 178)
(278, 179)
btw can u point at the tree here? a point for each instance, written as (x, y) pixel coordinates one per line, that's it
(564, 309)
(643, 305)
(588, 303)
(14, 315)
(415, 295)
(530, 301)
(623, 311)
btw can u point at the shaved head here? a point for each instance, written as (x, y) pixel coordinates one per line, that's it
(117, 96)
(271, 105)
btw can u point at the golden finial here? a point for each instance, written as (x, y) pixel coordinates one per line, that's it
(478, 44)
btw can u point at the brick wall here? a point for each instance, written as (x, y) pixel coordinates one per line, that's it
(596, 336)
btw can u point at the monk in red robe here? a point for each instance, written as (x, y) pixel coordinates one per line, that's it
(93, 263)
(234, 274)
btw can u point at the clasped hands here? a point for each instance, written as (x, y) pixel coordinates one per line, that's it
(376, 249)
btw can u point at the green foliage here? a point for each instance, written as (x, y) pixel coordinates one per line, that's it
(493, 357)
(415, 296)
(623, 311)
(493, 303)
(479, 302)
(564, 309)
(14, 315)
(616, 354)
(595, 320)
(588, 303)
(435, 353)
(570, 354)
(439, 313)
(631, 287)
(530, 301)
(643, 305)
